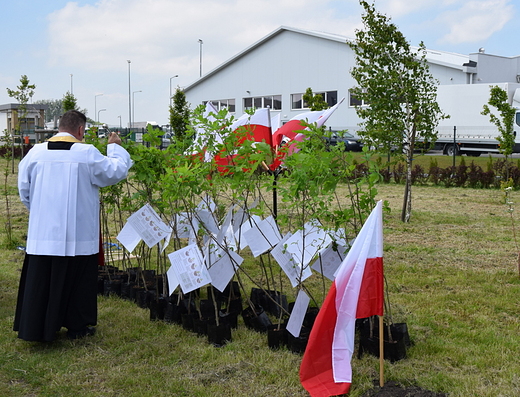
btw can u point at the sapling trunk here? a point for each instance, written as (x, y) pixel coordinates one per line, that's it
(217, 320)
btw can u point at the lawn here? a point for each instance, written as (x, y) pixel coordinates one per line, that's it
(452, 276)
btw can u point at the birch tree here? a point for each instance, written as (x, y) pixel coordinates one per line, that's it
(399, 90)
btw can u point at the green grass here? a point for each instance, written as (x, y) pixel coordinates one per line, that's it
(452, 277)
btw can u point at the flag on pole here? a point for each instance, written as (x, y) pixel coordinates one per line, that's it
(356, 292)
(255, 128)
(295, 124)
(292, 130)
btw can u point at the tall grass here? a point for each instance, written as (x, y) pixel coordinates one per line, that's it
(451, 274)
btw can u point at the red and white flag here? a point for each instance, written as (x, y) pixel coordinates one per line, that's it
(256, 128)
(292, 131)
(295, 125)
(357, 292)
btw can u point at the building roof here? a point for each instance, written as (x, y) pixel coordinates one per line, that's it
(16, 106)
(448, 59)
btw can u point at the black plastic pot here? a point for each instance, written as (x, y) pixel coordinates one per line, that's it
(144, 297)
(273, 302)
(232, 291)
(310, 316)
(135, 292)
(112, 287)
(394, 347)
(298, 344)
(219, 335)
(158, 308)
(276, 336)
(126, 290)
(200, 325)
(187, 321)
(207, 308)
(230, 318)
(172, 313)
(256, 320)
(233, 305)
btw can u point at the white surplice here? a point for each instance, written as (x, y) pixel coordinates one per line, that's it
(61, 190)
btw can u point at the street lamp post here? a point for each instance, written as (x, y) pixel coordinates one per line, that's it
(200, 55)
(71, 92)
(129, 98)
(133, 105)
(95, 106)
(100, 110)
(171, 87)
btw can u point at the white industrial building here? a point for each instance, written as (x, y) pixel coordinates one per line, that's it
(276, 71)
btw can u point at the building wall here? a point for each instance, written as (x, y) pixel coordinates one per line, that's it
(291, 61)
(3, 123)
(10, 119)
(496, 69)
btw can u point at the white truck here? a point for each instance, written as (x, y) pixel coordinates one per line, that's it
(467, 131)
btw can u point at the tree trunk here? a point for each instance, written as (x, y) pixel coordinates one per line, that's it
(407, 199)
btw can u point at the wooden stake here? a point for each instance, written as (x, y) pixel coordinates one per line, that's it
(381, 354)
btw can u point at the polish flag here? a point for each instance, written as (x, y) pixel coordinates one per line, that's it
(276, 122)
(357, 292)
(293, 129)
(256, 128)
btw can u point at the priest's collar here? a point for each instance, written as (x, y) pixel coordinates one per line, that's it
(64, 137)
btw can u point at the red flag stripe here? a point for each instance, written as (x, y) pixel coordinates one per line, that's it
(316, 374)
(370, 302)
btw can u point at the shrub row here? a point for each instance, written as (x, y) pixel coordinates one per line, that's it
(462, 175)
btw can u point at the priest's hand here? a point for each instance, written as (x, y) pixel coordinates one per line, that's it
(114, 138)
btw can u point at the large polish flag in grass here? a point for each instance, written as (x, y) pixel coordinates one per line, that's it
(357, 292)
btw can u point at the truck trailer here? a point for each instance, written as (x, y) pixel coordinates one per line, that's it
(468, 131)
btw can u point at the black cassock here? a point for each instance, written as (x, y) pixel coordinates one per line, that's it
(55, 292)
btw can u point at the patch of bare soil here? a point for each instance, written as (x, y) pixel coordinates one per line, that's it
(391, 389)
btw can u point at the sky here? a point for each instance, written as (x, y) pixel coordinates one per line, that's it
(84, 46)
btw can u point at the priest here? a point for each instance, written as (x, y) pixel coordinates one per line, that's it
(59, 181)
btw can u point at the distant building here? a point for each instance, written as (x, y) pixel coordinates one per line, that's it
(275, 72)
(11, 118)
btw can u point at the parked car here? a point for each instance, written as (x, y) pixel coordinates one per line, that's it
(351, 143)
(166, 140)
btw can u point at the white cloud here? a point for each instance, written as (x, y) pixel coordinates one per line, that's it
(475, 21)
(400, 8)
(161, 36)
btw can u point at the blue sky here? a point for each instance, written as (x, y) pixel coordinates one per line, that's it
(84, 45)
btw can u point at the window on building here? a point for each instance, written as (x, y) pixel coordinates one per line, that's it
(228, 104)
(355, 101)
(274, 102)
(297, 102)
(277, 102)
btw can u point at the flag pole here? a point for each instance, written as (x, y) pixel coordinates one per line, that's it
(381, 354)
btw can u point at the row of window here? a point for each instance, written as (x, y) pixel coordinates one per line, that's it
(274, 102)
(297, 101)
